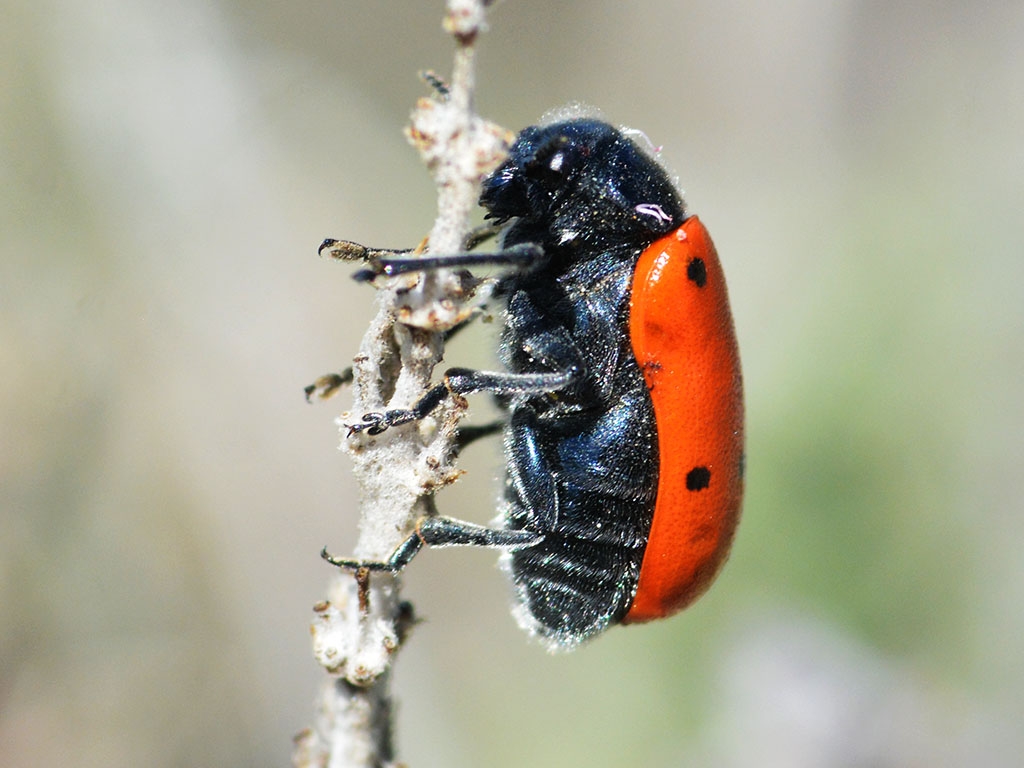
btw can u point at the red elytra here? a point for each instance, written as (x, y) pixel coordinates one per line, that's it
(682, 335)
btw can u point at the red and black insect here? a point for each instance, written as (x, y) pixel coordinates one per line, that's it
(624, 437)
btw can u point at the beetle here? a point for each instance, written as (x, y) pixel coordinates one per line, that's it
(622, 388)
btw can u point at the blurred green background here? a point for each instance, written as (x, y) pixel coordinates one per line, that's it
(168, 170)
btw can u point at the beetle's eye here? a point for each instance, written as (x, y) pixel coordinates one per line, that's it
(551, 163)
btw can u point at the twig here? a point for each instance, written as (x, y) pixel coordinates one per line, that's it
(361, 625)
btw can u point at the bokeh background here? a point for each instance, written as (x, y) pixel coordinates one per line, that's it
(168, 170)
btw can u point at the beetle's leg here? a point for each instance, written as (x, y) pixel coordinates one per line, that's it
(521, 256)
(346, 250)
(481, 234)
(328, 385)
(377, 421)
(462, 381)
(440, 532)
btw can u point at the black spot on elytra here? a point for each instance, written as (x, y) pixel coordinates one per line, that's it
(697, 272)
(698, 478)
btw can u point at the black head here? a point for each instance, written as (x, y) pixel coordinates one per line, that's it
(583, 183)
